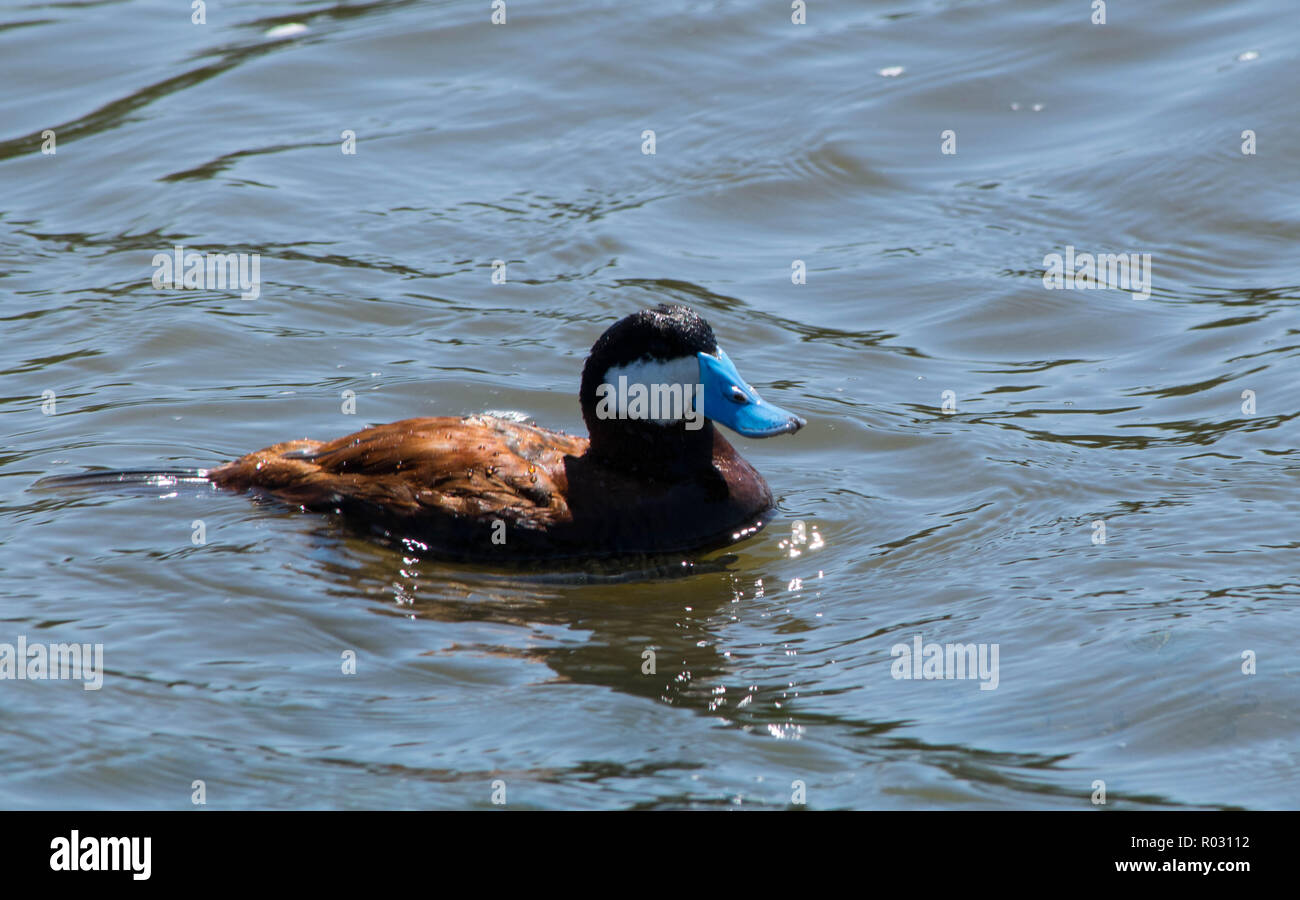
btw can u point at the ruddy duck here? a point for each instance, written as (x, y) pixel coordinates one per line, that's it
(653, 477)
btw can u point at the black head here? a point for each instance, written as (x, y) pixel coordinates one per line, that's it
(662, 334)
(653, 386)
(665, 340)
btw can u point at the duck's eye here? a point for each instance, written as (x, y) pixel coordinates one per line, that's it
(736, 395)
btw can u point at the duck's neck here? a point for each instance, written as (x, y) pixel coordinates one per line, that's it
(650, 450)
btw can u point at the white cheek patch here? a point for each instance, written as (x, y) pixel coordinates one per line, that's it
(654, 390)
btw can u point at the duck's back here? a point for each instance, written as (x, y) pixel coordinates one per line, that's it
(473, 467)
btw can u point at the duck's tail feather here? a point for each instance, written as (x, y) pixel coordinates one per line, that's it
(105, 477)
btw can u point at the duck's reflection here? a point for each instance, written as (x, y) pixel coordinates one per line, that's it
(658, 636)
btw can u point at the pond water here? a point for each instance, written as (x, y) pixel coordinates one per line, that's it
(1099, 485)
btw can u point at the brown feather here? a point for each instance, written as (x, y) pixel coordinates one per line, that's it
(479, 466)
(445, 481)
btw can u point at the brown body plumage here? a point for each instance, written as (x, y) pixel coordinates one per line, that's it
(448, 482)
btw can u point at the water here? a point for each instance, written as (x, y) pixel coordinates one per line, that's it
(1118, 661)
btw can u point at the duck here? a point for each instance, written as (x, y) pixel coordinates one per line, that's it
(653, 476)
